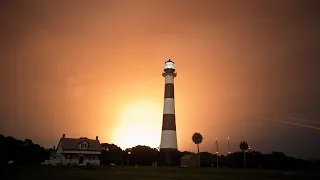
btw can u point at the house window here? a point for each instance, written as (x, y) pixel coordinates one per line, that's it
(91, 157)
(68, 156)
(84, 146)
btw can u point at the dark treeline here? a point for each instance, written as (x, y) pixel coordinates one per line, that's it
(27, 153)
(145, 156)
(21, 152)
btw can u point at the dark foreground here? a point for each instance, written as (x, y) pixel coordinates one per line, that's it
(148, 173)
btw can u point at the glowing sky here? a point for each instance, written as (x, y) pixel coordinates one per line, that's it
(87, 68)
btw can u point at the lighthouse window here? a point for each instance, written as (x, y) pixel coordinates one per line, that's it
(169, 65)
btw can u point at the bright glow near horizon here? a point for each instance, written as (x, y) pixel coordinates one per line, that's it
(139, 123)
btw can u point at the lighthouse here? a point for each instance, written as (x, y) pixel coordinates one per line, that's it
(168, 145)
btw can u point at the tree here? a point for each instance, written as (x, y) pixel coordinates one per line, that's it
(141, 155)
(197, 139)
(111, 153)
(21, 152)
(243, 147)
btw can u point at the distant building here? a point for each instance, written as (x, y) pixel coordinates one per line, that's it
(72, 151)
(189, 160)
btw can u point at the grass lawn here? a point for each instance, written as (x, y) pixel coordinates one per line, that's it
(147, 173)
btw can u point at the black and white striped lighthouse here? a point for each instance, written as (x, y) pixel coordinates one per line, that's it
(168, 145)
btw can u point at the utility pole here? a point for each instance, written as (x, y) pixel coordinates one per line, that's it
(229, 152)
(217, 152)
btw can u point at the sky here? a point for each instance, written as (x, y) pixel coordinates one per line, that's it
(93, 68)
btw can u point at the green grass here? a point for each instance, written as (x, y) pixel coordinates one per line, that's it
(148, 173)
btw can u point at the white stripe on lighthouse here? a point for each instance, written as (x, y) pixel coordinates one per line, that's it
(169, 79)
(168, 107)
(168, 139)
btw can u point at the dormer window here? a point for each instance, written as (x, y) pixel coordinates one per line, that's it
(84, 145)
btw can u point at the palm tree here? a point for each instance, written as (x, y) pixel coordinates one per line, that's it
(197, 139)
(243, 147)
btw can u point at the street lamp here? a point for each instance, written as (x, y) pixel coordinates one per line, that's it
(217, 152)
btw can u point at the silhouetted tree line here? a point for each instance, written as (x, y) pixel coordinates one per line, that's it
(27, 153)
(21, 152)
(145, 156)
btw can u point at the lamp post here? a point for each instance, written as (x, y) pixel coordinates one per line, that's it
(229, 151)
(107, 155)
(129, 158)
(217, 152)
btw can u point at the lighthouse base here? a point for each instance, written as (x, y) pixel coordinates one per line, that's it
(169, 157)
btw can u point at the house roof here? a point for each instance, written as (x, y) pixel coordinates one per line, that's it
(73, 144)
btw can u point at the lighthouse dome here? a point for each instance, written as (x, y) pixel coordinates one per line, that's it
(169, 64)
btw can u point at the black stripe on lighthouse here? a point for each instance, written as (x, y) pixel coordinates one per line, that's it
(169, 122)
(169, 90)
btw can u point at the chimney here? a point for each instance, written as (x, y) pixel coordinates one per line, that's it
(97, 138)
(64, 135)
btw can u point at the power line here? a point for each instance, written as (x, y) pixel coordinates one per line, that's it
(291, 123)
(306, 120)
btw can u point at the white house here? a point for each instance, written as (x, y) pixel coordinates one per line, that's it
(72, 151)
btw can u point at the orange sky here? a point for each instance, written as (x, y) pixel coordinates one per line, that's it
(87, 69)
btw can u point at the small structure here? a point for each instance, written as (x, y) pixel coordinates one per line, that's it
(189, 160)
(72, 151)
